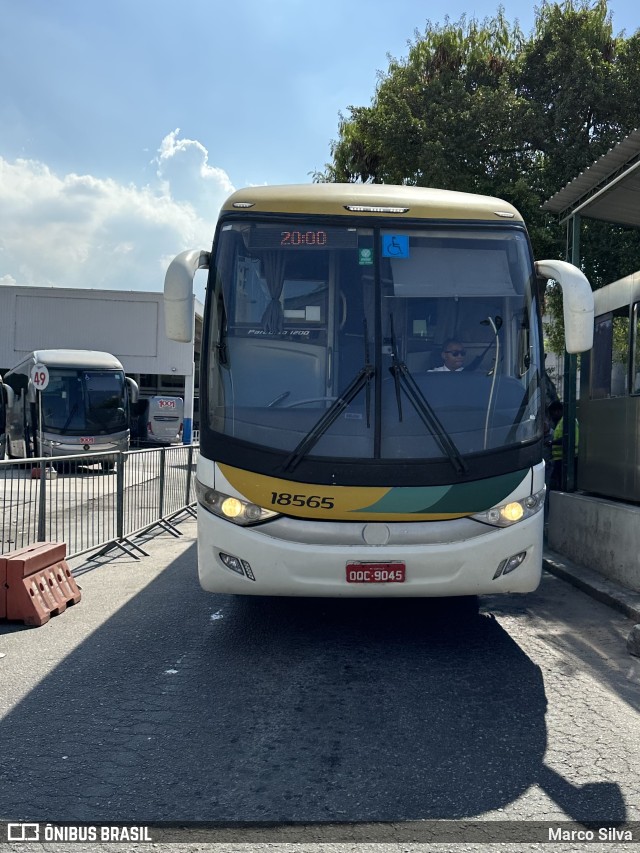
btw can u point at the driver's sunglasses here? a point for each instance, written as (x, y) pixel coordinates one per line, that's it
(456, 352)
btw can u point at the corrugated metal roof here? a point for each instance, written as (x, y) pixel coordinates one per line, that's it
(609, 189)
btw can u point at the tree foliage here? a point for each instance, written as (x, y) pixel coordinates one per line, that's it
(479, 107)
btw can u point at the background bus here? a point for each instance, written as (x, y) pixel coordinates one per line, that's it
(84, 408)
(609, 405)
(157, 420)
(334, 459)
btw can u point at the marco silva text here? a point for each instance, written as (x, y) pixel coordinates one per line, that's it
(602, 833)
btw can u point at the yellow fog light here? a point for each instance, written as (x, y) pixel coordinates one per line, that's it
(231, 507)
(513, 511)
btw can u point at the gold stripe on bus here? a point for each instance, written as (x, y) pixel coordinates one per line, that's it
(304, 500)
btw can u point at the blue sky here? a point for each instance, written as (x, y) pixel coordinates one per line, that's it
(125, 123)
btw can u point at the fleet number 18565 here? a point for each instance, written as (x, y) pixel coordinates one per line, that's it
(312, 501)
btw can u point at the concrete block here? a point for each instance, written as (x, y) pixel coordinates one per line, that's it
(37, 583)
(600, 534)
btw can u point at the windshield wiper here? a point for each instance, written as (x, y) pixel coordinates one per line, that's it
(405, 381)
(74, 409)
(360, 381)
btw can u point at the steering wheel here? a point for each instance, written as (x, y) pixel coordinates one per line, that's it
(278, 399)
(311, 400)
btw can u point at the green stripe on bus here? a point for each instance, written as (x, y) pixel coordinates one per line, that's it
(477, 496)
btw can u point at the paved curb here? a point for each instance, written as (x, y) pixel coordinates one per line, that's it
(593, 583)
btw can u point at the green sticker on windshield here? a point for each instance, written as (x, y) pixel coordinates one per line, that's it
(365, 257)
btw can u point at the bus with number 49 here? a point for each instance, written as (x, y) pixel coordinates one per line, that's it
(339, 456)
(84, 407)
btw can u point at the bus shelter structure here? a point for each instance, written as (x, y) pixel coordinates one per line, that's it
(608, 190)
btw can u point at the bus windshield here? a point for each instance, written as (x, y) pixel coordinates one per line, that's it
(88, 402)
(370, 343)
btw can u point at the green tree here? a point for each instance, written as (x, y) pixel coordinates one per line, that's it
(478, 107)
(441, 117)
(581, 83)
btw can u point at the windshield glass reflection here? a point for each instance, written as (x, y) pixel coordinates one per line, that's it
(79, 401)
(444, 317)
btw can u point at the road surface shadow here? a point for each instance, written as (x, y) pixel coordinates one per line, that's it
(191, 707)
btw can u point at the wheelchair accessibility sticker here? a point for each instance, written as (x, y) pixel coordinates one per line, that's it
(395, 246)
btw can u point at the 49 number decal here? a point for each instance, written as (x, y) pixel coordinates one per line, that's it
(313, 501)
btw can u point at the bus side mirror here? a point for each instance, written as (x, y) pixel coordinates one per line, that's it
(9, 396)
(577, 303)
(178, 294)
(133, 390)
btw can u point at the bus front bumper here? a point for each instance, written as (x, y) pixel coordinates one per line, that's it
(249, 561)
(56, 448)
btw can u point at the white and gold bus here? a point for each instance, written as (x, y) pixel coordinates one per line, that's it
(84, 407)
(335, 458)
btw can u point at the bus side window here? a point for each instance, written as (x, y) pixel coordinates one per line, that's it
(635, 349)
(610, 355)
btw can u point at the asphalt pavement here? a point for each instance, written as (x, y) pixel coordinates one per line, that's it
(135, 691)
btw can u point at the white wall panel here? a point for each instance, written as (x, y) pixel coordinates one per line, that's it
(128, 324)
(42, 322)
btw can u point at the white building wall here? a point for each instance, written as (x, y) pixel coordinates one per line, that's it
(128, 324)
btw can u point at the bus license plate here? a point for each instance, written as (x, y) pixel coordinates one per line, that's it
(375, 572)
(88, 440)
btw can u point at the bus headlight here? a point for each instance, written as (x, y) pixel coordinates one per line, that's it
(505, 515)
(230, 508)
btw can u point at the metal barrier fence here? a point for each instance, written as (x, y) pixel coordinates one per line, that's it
(95, 503)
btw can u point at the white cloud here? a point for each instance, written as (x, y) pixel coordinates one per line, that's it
(82, 231)
(183, 166)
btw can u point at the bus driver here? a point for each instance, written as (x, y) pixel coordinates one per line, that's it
(453, 355)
